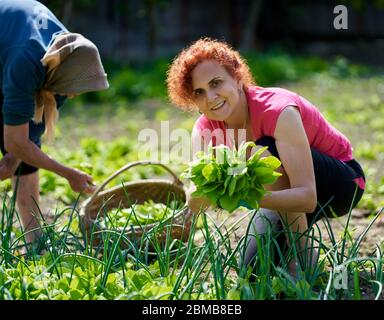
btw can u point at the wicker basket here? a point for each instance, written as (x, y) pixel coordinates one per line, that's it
(137, 192)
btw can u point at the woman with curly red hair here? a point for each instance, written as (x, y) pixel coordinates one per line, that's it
(319, 173)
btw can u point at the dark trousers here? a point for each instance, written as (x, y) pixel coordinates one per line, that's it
(23, 168)
(337, 194)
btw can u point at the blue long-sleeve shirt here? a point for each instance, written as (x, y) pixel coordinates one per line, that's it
(27, 28)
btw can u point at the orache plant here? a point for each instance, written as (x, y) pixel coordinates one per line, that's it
(228, 179)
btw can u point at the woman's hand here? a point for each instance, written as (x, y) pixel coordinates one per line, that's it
(198, 204)
(8, 166)
(16, 141)
(80, 181)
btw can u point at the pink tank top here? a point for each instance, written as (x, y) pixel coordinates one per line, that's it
(265, 106)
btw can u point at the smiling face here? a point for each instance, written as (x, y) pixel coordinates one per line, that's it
(215, 91)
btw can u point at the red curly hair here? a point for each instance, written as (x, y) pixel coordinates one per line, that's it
(179, 80)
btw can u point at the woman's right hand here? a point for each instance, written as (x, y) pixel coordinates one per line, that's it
(198, 204)
(8, 165)
(80, 181)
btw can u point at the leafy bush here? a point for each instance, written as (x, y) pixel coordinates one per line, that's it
(226, 178)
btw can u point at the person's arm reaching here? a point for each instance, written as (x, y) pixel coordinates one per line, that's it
(8, 165)
(194, 203)
(16, 142)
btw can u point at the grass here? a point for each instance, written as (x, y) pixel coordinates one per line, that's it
(68, 265)
(75, 268)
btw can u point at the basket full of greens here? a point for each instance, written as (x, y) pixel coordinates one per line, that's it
(228, 179)
(148, 207)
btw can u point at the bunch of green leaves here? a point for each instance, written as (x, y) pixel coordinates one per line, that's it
(139, 214)
(228, 179)
(81, 278)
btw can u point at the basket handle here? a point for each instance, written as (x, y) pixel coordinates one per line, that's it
(128, 166)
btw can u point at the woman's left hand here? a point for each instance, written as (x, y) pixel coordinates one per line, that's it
(8, 166)
(80, 181)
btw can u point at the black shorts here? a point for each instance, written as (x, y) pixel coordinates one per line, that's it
(24, 168)
(337, 193)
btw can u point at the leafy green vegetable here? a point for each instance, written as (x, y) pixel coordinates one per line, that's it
(140, 214)
(228, 179)
(82, 280)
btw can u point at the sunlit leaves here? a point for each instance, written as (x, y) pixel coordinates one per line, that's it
(227, 178)
(139, 215)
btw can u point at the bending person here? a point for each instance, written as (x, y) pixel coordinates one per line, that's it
(41, 65)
